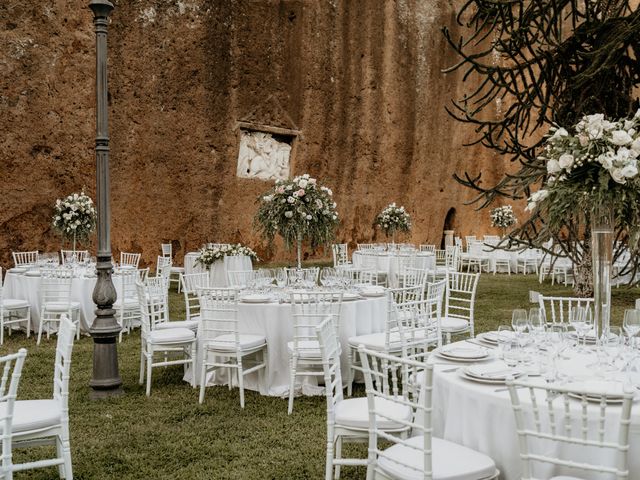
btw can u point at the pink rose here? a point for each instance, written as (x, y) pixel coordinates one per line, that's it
(300, 192)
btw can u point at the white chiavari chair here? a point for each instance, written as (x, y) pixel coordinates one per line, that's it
(190, 283)
(176, 271)
(347, 419)
(365, 246)
(558, 309)
(78, 256)
(469, 239)
(130, 259)
(25, 259)
(11, 367)
(369, 262)
(562, 429)
(127, 305)
(55, 300)
(155, 287)
(13, 311)
(477, 257)
(308, 310)
(340, 253)
(46, 421)
(422, 456)
(460, 301)
(240, 279)
(223, 346)
(528, 260)
(403, 327)
(428, 248)
(176, 345)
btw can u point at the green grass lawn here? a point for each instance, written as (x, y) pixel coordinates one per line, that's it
(170, 435)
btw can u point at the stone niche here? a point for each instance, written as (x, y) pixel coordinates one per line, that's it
(265, 155)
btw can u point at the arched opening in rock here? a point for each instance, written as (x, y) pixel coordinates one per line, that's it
(449, 222)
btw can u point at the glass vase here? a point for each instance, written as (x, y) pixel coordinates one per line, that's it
(602, 234)
(299, 252)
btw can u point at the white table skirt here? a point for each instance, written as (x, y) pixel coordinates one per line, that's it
(274, 321)
(27, 288)
(475, 415)
(219, 269)
(388, 262)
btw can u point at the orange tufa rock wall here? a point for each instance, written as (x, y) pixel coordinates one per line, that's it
(361, 80)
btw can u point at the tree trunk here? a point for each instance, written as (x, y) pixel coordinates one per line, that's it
(583, 274)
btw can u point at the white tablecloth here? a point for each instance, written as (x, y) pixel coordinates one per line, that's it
(274, 321)
(218, 270)
(28, 288)
(388, 262)
(475, 415)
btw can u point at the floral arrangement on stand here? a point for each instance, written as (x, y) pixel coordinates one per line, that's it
(297, 210)
(393, 219)
(75, 217)
(207, 256)
(592, 179)
(503, 218)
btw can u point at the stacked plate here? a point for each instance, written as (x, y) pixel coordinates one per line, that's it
(613, 390)
(33, 273)
(372, 291)
(491, 338)
(348, 296)
(17, 270)
(463, 353)
(494, 373)
(256, 298)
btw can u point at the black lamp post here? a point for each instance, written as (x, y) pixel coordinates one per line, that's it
(106, 380)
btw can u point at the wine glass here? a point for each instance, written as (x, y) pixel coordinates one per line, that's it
(327, 276)
(631, 324)
(504, 338)
(519, 322)
(577, 319)
(281, 277)
(536, 321)
(610, 343)
(555, 336)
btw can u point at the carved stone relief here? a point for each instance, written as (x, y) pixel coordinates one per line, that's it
(262, 156)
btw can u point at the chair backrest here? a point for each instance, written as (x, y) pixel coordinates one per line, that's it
(129, 259)
(128, 279)
(240, 278)
(190, 284)
(386, 380)
(558, 309)
(405, 260)
(25, 258)
(567, 427)
(452, 258)
(431, 308)
(428, 248)
(365, 246)
(461, 295)
(73, 255)
(340, 253)
(330, 353)
(441, 257)
(62, 364)
(154, 306)
(457, 241)
(413, 277)
(469, 239)
(167, 250)
(55, 285)
(308, 310)
(11, 366)
(219, 316)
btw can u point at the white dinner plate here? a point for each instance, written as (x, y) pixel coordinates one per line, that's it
(489, 337)
(473, 374)
(348, 296)
(33, 273)
(372, 291)
(17, 270)
(612, 389)
(256, 298)
(465, 352)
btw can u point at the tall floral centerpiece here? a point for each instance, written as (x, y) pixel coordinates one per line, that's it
(207, 256)
(503, 218)
(593, 170)
(75, 217)
(298, 210)
(393, 219)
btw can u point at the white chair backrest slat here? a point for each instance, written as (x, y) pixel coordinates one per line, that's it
(558, 309)
(25, 258)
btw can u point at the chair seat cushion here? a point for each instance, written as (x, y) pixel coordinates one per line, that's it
(60, 306)
(14, 303)
(306, 349)
(453, 324)
(31, 415)
(376, 341)
(449, 461)
(226, 343)
(190, 324)
(171, 335)
(129, 303)
(354, 412)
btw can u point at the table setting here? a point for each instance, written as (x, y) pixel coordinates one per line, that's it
(471, 400)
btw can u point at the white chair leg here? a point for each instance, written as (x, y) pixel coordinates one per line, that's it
(40, 330)
(149, 362)
(193, 365)
(203, 376)
(66, 457)
(338, 455)
(328, 471)
(350, 373)
(292, 381)
(241, 381)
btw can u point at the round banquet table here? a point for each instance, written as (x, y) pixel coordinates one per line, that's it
(26, 287)
(479, 417)
(273, 320)
(219, 269)
(388, 262)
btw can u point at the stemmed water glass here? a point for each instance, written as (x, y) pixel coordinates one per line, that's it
(519, 322)
(631, 324)
(504, 338)
(581, 323)
(281, 277)
(610, 343)
(536, 321)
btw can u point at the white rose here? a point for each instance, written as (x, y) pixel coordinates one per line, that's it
(309, 217)
(620, 137)
(616, 174)
(561, 132)
(630, 170)
(565, 161)
(635, 146)
(302, 183)
(553, 166)
(291, 200)
(288, 214)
